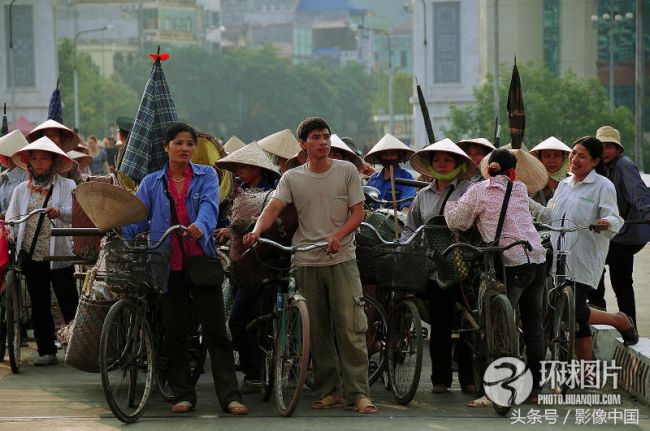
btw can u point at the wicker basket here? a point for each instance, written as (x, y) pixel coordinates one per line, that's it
(402, 267)
(367, 242)
(83, 347)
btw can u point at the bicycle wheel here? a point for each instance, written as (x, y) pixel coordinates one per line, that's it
(291, 356)
(376, 338)
(14, 308)
(126, 361)
(563, 337)
(405, 351)
(501, 335)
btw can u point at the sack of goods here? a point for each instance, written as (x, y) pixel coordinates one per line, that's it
(264, 263)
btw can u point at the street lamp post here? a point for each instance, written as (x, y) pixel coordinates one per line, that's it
(11, 64)
(390, 72)
(107, 27)
(612, 19)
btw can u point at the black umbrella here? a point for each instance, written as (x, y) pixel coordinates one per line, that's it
(55, 110)
(425, 113)
(516, 111)
(5, 126)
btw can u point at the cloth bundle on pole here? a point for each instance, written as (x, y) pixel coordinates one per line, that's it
(5, 125)
(516, 112)
(55, 110)
(144, 151)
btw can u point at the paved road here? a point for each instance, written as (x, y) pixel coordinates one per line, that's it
(61, 397)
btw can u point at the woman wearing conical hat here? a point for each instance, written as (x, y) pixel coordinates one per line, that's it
(554, 155)
(390, 151)
(64, 138)
(12, 175)
(450, 168)
(282, 146)
(339, 150)
(476, 149)
(252, 165)
(44, 163)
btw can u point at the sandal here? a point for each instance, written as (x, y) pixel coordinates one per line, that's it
(630, 336)
(365, 406)
(328, 402)
(480, 402)
(439, 389)
(182, 407)
(236, 408)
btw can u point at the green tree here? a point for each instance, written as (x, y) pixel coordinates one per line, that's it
(100, 100)
(566, 107)
(252, 93)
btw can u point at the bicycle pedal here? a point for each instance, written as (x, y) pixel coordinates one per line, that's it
(425, 333)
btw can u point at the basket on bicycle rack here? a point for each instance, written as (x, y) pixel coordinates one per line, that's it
(402, 267)
(367, 241)
(127, 265)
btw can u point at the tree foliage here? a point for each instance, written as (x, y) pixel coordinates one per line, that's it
(100, 100)
(566, 107)
(252, 93)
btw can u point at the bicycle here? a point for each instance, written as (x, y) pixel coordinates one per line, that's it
(402, 270)
(127, 346)
(491, 319)
(559, 315)
(283, 336)
(13, 295)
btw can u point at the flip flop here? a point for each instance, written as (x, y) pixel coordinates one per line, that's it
(328, 402)
(364, 406)
(479, 402)
(630, 336)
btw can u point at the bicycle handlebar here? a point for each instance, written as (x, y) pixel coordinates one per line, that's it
(489, 249)
(158, 243)
(394, 242)
(22, 219)
(292, 249)
(563, 229)
(385, 202)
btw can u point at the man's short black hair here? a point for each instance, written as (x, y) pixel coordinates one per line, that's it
(310, 124)
(175, 128)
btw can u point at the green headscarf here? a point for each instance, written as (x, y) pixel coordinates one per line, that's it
(448, 176)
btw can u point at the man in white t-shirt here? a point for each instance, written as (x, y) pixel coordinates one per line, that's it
(329, 200)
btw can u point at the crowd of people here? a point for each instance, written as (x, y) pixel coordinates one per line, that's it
(471, 184)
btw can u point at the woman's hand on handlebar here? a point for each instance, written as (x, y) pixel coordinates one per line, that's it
(251, 238)
(222, 235)
(193, 231)
(600, 225)
(52, 213)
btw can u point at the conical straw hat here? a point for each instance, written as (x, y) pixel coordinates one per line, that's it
(83, 160)
(530, 170)
(108, 206)
(551, 143)
(233, 144)
(69, 140)
(250, 154)
(282, 144)
(388, 143)
(63, 162)
(351, 156)
(421, 162)
(477, 141)
(9, 144)
(296, 160)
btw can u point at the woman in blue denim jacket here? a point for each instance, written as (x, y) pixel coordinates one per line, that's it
(194, 190)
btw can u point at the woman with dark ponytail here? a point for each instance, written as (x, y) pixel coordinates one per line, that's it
(525, 272)
(587, 198)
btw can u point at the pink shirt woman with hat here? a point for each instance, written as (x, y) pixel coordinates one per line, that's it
(45, 188)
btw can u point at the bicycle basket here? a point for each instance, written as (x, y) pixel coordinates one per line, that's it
(367, 241)
(127, 265)
(402, 267)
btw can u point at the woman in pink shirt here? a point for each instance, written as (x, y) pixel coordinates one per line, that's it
(525, 271)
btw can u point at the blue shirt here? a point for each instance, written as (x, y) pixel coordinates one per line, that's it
(202, 204)
(377, 180)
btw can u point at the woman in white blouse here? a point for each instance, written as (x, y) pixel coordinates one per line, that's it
(45, 188)
(587, 198)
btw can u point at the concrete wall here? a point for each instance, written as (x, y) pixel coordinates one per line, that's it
(578, 38)
(32, 101)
